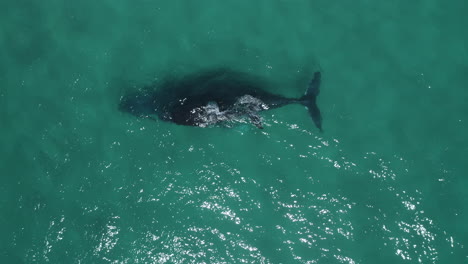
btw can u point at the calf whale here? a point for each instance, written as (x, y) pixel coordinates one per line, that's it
(215, 97)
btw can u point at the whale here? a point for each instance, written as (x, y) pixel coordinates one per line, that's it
(216, 97)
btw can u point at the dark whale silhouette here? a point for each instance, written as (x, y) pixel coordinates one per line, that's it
(214, 97)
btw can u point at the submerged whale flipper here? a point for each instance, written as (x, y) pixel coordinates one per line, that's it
(256, 120)
(309, 100)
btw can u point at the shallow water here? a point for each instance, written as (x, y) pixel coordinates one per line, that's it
(83, 183)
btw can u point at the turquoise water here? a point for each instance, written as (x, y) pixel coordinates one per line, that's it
(384, 183)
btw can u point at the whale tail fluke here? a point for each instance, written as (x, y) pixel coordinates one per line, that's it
(309, 100)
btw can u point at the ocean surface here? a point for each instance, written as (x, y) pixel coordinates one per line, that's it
(386, 181)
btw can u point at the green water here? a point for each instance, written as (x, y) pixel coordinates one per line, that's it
(385, 182)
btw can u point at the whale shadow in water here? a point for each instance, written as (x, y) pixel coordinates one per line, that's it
(214, 97)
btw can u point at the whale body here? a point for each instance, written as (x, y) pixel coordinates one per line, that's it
(214, 97)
